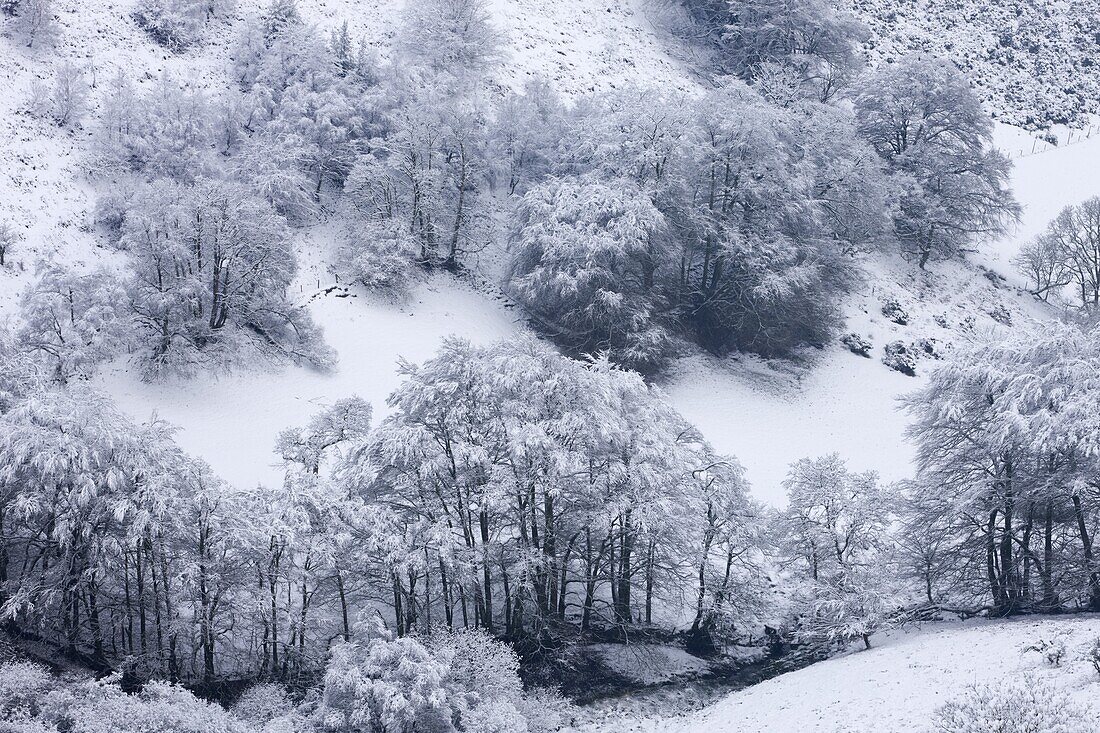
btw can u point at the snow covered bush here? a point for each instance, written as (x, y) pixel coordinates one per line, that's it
(23, 689)
(857, 344)
(158, 707)
(897, 356)
(179, 24)
(585, 265)
(1052, 650)
(893, 310)
(261, 703)
(407, 685)
(1092, 654)
(1025, 706)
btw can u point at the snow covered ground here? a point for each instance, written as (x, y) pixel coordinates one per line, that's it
(899, 684)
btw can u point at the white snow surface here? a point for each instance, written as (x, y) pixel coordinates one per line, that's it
(232, 420)
(899, 684)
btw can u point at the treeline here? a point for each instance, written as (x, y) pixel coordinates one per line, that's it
(512, 489)
(634, 220)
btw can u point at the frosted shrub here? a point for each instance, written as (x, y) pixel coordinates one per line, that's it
(262, 703)
(1021, 707)
(900, 358)
(160, 707)
(1092, 654)
(1053, 651)
(22, 687)
(464, 681)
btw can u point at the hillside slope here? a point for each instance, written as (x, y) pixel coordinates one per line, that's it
(898, 685)
(767, 414)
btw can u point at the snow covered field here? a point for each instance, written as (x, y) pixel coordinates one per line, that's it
(898, 685)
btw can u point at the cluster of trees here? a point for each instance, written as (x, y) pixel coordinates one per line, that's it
(180, 24)
(1066, 256)
(511, 489)
(1004, 510)
(734, 217)
(637, 219)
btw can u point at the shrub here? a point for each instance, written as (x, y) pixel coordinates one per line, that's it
(898, 357)
(857, 344)
(1026, 706)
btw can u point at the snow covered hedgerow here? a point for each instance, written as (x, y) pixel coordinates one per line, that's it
(1025, 706)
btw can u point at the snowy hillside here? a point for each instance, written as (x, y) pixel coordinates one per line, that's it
(521, 366)
(899, 685)
(836, 401)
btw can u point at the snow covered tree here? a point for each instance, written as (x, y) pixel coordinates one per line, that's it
(585, 265)
(1067, 253)
(924, 119)
(8, 239)
(818, 42)
(729, 564)
(69, 97)
(834, 530)
(211, 268)
(758, 271)
(35, 21)
(834, 518)
(71, 322)
(455, 39)
(525, 132)
(1043, 262)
